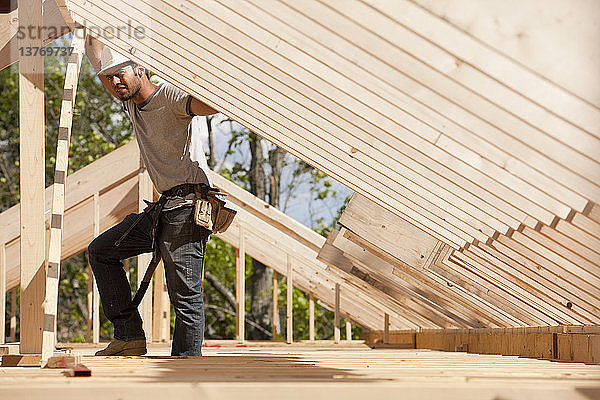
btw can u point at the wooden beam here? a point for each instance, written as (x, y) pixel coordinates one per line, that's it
(386, 329)
(2, 292)
(348, 329)
(161, 308)
(90, 304)
(58, 196)
(311, 317)
(336, 316)
(240, 287)
(275, 304)
(32, 182)
(388, 231)
(96, 293)
(13, 315)
(145, 191)
(290, 299)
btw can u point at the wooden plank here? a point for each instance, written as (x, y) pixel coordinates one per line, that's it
(21, 360)
(311, 317)
(336, 315)
(161, 307)
(328, 19)
(387, 231)
(570, 247)
(240, 287)
(386, 329)
(348, 329)
(13, 315)
(275, 314)
(569, 26)
(560, 276)
(90, 304)
(145, 191)
(443, 305)
(58, 195)
(476, 68)
(2, 292)
(95, 292)
(310, 9)
(290, 300)
(459, 274)
(32, 182)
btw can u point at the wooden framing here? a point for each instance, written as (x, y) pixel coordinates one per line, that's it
(336, 315)
(240, 286)
(477, 176)
(311, 317)
(54, 27)
(560, 343)
(95, 293)
(2, 292)
(31, 159)
(275, 312)
(290, 301)
(13, 315)
(58, 197)
(348, 329)
(145, 191)
(226, 15)
(161, 310)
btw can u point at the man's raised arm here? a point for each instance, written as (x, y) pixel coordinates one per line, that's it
(93, 51)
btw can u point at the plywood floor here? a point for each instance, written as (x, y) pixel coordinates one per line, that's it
(303, 371)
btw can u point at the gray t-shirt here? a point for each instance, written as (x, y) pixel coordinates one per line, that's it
(169, 138)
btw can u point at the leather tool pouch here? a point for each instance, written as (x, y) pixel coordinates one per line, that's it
(210, 211)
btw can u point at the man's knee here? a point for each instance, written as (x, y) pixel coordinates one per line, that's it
(97, 248)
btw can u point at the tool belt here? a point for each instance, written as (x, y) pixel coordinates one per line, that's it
(209, 212)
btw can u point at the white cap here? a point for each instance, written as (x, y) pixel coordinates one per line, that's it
(110, 59)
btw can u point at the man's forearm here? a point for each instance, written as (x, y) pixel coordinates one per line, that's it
(93, 50)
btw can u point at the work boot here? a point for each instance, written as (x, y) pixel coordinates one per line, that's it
(122, 348)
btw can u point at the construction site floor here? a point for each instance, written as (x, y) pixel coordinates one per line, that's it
(308, 371)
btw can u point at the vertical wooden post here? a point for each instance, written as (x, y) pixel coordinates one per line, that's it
(275, 304)
(290, 299)
(58, 196)
(13, 315)
(311, 317)
(160, 313)
(95, 293)
(336, 317)
(90, 308)
(348, 328)
(240, 287)
(145, 191)
(2, 292)
(32, 180)
(386, 328)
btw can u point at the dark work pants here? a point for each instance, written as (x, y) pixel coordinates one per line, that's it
(182, 244)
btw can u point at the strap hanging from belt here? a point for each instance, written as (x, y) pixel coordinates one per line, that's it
(156, 256)
(145, 283)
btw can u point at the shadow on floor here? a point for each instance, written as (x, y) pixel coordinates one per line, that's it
(233, 368)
